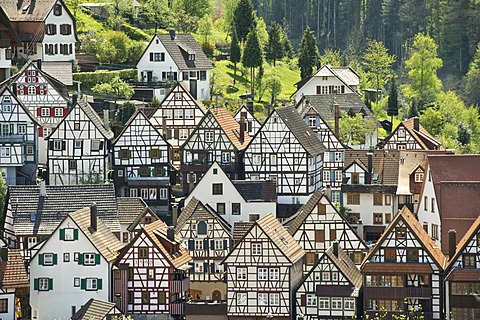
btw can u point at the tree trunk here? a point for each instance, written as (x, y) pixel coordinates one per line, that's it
(234, 73)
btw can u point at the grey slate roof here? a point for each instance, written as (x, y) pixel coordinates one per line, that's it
(37, 9)
(129, 209)
(59, 201)
(257, 190)
(349, 102)
(95, 118)
(201, 211)
(180, 47)
(304, 134)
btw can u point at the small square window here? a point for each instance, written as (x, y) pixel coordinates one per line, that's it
(256, 248)
(72, 164)
(124, 154)
(217, 188)
(48, 259)
(95, 145)
(66, 257)
(75, 256)
(143, 253)
(69, 234)
(76, 126)
(155, 154)
(78, 144)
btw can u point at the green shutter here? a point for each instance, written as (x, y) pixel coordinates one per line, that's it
(40, 259)
(150, 153)
(80, 258)
(129, 154)
(50, 283)
(99, 284)
(35, 284)
(55, 259)
(75, 234)
(97, 258)
(83, 284)
(62, 234)
(119, 154)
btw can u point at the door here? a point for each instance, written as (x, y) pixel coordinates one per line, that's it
(193, 88)
(149, 76)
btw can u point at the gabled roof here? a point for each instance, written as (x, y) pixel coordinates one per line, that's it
(422, 136)
(140, 215)
(471, 232)
(129, 208)
(345, 265)
(20, 103)
(60, 70)
(102, 239)
(96, 309)
(240, 228)
(384, 164)
(410, 160)
(260, 190)
(27, 10)
(419, 233)
(5, 25)
(243, 108)
(179, 49)
(280, 237)
(302, 132)
(12, 271)
(138, 114)
(158, 230)
(58, 202)
(230, 126)
(201, 211)
(454, 167)
(185, 90)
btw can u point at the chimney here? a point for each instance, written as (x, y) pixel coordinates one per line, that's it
(242, 130)
(74, 100)
(416, 124)
(335, 248)
(250, 106)
(39, 64)
(171, 234)
(164, 127)
(14, 88)
(328, 192)
(172, 34)
(452, 242)
(43, 189)
(93, 216)
(336, 115)
(360, 228)
(174, 214)
(106, 119)
(370, 161)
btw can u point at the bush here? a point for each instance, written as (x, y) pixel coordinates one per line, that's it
(135, 33)
(90, 79)
(207, 48)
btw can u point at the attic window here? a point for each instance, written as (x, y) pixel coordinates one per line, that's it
(419, 176)
(401, 132)
(191, 57)
(57, 10)
(375, 177)
(33, 217)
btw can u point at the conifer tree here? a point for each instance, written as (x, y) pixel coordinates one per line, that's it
(308, 55)
(235, 53)
(274, 49)
(392, 107)
(244, 19)
(252, 56)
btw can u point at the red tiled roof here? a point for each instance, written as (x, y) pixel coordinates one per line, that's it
(12, 272)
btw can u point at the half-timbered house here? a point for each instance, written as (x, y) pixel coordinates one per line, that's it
(14, 285)
(286, 151)
(142, 164)
(178, 115)
(176, 57)
(369, 192)
(449, 196)
(18, 136)
(237, 200)
(129, 209)
(218, 137)
(403, 273)
(78, 149)
(44, 97)
(331, 289)
(250, 122)
(73, 265)
(8, 39)
(462, 285)
(317, 225)
(209, 241)
(263, 269)
(150, 276)
(410, 135)
(33, 212)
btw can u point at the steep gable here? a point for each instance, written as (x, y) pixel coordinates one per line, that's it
(139, 131)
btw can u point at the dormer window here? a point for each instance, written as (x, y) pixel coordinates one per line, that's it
(401, 132)
(191, 57)
(419, 176)
(57, 10)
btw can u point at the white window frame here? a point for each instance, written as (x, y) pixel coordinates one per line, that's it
(7, 107)
(273, 159)
(168, 113)
(5, 152)
(144, 193)
(58, 112)
(69, 234)
(349, 303)
(78, 144)
(178, 113)
(242, 274)
(91, 284)
(89, 259)
(323, 303)
(326, 175)
(183, 134)
(209, 136)
(311, 300)
(257, 159)
(274, 274)
(226, 157)
(30, 149)
(337, 303)
(263, 274)
(32, 90)
(22, 129)
(42, 284)
(189, 113)
(419, 176)
(152, 193)
(95, 145)
(48, 259)
(163, 194)
(262, 299)
(312, 121)
(242, 298)
(57, 144)
(338, 175)
(45, 112)
(326, 276)
(133, 193)
(256, 248)
(274, 299)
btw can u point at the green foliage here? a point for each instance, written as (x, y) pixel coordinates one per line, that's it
(91, 178)
(244, 19)
(112, 47)
(155, 103)
(205, 27)
(377, 65)
(90, 79)
(252, 54)
(262, 33)
(392, 106)
(308, 56)
(116, 87)
(353, 130)
(125, 111)
(274, 50)
(135, 33)
(274, 86)
(118, 11)
(331, 56)
(194, 8)
(208, 48)
(423, 65)
(287, 46)
(158, 12)
(235, 51)
(3, 192)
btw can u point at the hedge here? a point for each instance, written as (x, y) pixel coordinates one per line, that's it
(90, 79)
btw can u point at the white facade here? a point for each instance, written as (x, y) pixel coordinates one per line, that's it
(251, 123)
(5, 63)
(229, 197)
(427, 212)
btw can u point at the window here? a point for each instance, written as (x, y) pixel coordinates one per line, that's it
(158, 56)
(47, 259)
(412, 255)
(226, 157)
(178, 114)
(262, 273)
(65, 29)
(338, 175)
(161, 298)
(95, 145)
(433, 205)
(323, 303)
(144, 172)
(150, 273)
(72, 164)
(5, 151)
(91, 284)
(400, 232)
(146, 297)
(235, 208)
(189, 114)
(337, 303)
(425, 203)
(312, 121)
(419, 176)
(336, 196)
(183, 134)
(89, 259)
(241, 273)
(209, 136)
(77, 144)
(32, 90)
(390, 255)
(29, 149)
(388, 200)
(325, 275)
(355, 177)
(326, 175)
(57, 10)
(242, 298)
(353, 198)
(319, 235)
(3, 305)
(257, 159)
(155, 153)
(469, 260)
(69, 234)
(377, 218)
(142, 252)
(57, 145)
(133, 193)
(221, 208)
(203, 75)
(152, 193)
(401, 132)
(167, 113)
(44, 284)
(274, 274)
(45, 112)
(256, 248)
(202, 228)
(378, 199)
(163, 194)
(124, 154)
(349, 303)
(50, 29)
(310, 258)
(217, 188)
(388, 217)
(262, 299)
(7, 107)
(58, 112)
(274, 299)
(435, 231)
(311, 300)
(273, 159)
(144, 193)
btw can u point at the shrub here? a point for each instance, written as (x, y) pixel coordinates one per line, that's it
(90, 79)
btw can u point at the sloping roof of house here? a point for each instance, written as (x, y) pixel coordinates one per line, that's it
(280, 237)
(158, 229)
(138, 219)
(295, 221)
(95, 309)
(302, 132)
(179, 49)
(138, 114)
(231, 127)
(95, 118)
(471, 232)
(345, 265)
(422, 136)
(60, 70)
(12, 271)
(240, 228)
(103, 239)
(264, 191)
(384, 164)
(20, 103)
(129, 208)
(27, 10)
(5, 25)
(454, 167)
(420, 234)
(201, 211)
(59, 201)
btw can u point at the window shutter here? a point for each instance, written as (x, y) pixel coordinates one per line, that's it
(61, 46)
(212, 244)
(75, 234)
(205, 244)
(175, 133)
(83, 284)
(332, 156)
(151, 56)
(303, 300)
(100, 146)
(56, 48)
(35, 284)
(129, 154)
(332, 175)
(55, 259)
(39, 112)
(80, 258)
(40, 132)
(37, 89)
(99, 284)
(212, 267)
(50, 145)
(64, 145)
(225, 244)
(50, 283)
(62, 234)
(205, 267)
(40, 259)
(190, 244)
(97, 258)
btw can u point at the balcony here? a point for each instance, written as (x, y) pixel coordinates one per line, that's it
(180, 284)
(153, 84)
(205, 307)
(177, 308)
(398, 293)
(398, 314)
(13, 138)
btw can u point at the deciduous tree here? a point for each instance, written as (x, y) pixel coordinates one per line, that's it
(377, 65)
